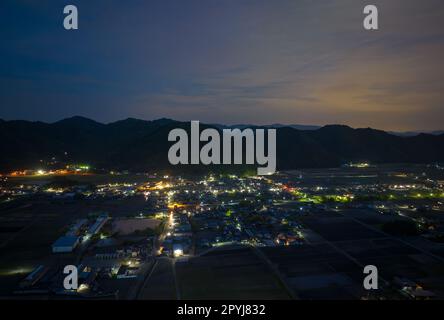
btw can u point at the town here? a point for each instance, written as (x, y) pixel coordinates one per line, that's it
(299, 234)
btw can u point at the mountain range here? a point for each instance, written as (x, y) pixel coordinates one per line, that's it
(140, 145)
(315, 127)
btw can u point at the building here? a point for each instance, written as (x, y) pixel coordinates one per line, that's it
(75, 229)
(178, 250)
(65, 244)
(95, 228)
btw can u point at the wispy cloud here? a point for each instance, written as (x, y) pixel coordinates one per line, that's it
(253, 61)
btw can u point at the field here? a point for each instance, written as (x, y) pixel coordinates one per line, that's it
(228, 274)
(29, 229)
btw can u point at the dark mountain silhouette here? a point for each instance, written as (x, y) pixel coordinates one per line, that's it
(271, 126)
(415, 133)
(315, 127)
(140, 145)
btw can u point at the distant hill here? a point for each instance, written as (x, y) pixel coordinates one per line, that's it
(415, 133)
(315, 127)
(272, 126)
(140, 145)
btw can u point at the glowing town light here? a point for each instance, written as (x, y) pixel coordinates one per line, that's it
(83, 287)
(178, 252)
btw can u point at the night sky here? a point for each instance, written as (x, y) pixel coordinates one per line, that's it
(225, 61)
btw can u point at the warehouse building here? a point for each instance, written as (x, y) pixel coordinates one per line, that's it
(65, 244)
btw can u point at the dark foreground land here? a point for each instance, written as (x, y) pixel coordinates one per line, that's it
(236, 253)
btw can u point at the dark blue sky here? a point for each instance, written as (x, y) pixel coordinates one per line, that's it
(225, 61)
